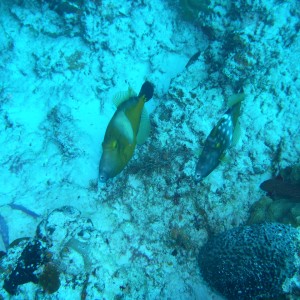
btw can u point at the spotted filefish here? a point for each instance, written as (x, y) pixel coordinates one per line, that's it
(219, 140)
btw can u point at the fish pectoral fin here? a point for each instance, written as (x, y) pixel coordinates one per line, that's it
(124, 126)
(123, 96)
(127, 152)
(225, 158)
(144, 129)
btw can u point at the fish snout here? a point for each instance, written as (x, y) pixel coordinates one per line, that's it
(198, 177)
(103, 176)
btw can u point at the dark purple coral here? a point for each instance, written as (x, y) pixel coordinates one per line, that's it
(252, 262)
(31, 258)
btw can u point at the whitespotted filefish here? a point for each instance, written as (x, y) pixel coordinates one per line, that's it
(219, 140)
(128, 126)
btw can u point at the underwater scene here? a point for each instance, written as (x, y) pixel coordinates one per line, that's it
(150, 150)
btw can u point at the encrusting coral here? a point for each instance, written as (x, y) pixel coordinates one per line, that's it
(252, 262)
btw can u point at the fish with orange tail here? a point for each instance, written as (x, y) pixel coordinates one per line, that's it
(128, 126)
(219, 139)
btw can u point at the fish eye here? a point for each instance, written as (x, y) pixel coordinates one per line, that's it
(198, 176)
(102, 178)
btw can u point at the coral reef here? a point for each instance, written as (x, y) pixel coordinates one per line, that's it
(31, 258)
(252, 262)
(43, 258)
(235, 52)
(49, 279)
(279, 210)
(60, 133)
(70, 261)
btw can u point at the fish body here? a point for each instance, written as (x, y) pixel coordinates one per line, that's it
(122, 132)
(193, 59)
(278, 187)
(4, 232)
(218, 141)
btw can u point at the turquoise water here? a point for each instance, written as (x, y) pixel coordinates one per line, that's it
(137, 236)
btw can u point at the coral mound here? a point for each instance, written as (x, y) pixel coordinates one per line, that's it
(252, 262)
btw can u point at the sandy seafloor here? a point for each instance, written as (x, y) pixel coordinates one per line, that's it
(59, 73)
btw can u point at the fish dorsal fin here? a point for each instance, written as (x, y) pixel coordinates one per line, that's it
(124, 126)
(144, 129)
(236, 134)
(122, 96)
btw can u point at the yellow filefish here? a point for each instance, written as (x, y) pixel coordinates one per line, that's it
(123, 132)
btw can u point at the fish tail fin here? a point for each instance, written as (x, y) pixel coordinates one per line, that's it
(235, 99)
(146, 91)
(234, 103)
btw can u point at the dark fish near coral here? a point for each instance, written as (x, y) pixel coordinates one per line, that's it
(4, 232)
(278, 187)
(219, 140)
(127, 128)
(192, 59)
